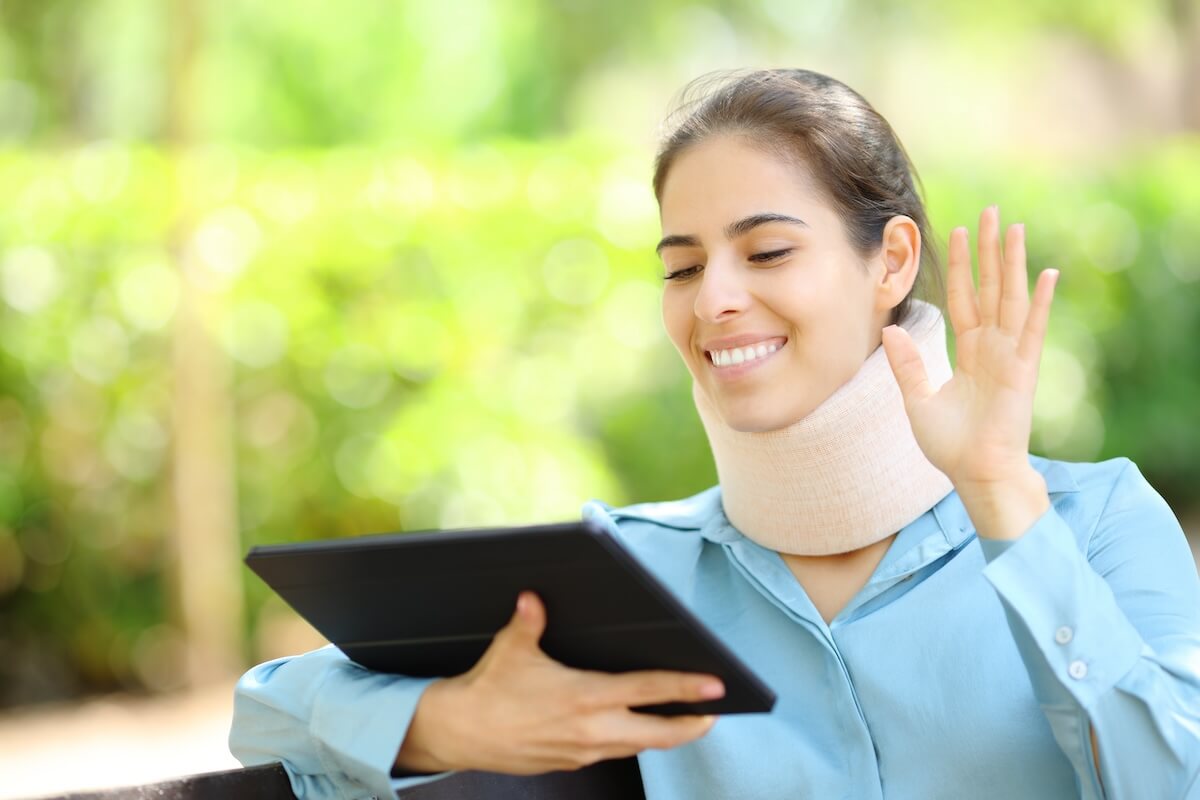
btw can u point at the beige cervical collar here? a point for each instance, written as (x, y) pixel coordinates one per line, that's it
(847, 475)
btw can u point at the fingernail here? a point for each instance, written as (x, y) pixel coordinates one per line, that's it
(708, 719)
(712, 690)
(522, 604)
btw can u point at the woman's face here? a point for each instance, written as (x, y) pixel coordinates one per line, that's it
(762, 262)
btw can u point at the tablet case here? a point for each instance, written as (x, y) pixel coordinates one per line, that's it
(429, 603)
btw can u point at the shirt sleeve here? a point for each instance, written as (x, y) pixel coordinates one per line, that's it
(334, 725)
(1111, 640)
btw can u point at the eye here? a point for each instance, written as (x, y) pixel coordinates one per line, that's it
(771, 256)
(758, 258)
(680, 274)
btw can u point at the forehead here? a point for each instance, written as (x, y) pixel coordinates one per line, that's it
(724, 178)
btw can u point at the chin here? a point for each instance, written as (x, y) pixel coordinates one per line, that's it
(759, 419)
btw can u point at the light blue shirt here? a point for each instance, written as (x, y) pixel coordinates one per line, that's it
(963, 668)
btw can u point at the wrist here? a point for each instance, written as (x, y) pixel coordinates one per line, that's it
(1005, 509)
(424, 748)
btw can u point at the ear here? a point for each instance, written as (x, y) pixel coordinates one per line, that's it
(900, 259)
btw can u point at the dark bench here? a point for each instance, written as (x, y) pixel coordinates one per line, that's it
(607, 780)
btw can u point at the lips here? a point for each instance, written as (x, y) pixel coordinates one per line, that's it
(748, 351)
(733, 371)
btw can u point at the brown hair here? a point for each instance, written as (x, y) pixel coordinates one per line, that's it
(810, 118)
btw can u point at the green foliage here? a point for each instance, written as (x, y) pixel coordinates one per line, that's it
(430, 311)
(429, 339)
(1118, 375)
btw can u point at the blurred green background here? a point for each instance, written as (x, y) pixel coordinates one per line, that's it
(283, 271)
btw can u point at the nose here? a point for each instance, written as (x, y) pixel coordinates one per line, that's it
(721, 294)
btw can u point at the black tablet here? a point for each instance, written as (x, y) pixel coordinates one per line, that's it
(428, 604)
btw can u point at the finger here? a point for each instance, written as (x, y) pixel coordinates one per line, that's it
(1014, 300)
(528, 621)
(989, 266)
(1029, 347)
(907, 366)
(647, 687)
(964, 310)
(625, 733)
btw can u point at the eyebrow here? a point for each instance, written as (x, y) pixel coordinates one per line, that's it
(732, 230)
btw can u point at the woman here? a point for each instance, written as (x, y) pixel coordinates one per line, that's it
(941, 613)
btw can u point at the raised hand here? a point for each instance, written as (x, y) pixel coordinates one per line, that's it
(976, 427)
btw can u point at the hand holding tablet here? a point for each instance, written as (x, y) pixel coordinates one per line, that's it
(428, 604)
(520, 712)
(442, 604)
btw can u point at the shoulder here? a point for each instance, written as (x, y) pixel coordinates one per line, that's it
(1095, 497)
(1094, 482)
(668, 537)
(679, 520)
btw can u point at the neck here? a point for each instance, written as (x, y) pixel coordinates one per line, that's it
(847, 475)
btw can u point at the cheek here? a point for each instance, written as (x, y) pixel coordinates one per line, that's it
(812, 302)
(677, 319)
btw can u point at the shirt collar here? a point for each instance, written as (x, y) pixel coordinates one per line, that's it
(942, 529)
(703, 512)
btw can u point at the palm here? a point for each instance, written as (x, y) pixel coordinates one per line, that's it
(975, 427)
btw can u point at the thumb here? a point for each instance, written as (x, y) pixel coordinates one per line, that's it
(528, 622)
(905, 361)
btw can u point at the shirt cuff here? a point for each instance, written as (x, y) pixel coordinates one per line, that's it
(994, 548)
(1064, 617)
(359, 721)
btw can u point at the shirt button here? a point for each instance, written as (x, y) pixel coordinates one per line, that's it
(1077, 670)
(1064, 634)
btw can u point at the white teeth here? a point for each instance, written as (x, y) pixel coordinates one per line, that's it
(740, 355)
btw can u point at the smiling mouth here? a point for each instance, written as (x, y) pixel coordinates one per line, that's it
(740, 356)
